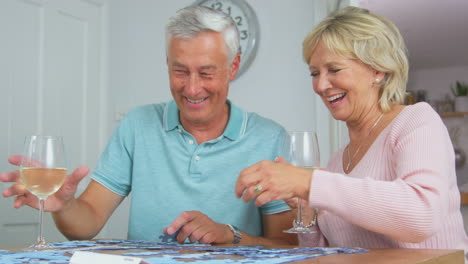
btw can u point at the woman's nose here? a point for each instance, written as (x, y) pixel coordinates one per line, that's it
(321, 83)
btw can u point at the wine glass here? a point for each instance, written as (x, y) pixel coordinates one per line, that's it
(302, 149)
(43, 171)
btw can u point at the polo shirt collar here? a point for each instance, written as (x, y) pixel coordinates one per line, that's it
(234, 129)
(171, 114)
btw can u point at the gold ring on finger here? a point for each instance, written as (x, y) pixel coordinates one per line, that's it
(258, 189)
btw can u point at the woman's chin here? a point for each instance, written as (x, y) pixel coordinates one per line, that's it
(337, 115)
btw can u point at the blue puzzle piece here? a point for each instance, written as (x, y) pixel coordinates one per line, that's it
(166, 238)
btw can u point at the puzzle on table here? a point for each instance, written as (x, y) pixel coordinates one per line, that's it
(170, 252)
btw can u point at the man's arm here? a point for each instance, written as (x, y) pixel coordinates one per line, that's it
(84, 217)
(273, 235)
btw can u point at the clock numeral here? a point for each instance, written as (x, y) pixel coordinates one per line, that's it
(238, 20)
(217, 6)
(244, 34)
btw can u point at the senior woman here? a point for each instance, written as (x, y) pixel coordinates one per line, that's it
(394, 184)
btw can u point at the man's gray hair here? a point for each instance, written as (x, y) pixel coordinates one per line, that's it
(192, 20)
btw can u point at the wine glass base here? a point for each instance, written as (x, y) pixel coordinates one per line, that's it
(39, 246)
(299, 230)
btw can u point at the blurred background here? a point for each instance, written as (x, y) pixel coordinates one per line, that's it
(75, 67)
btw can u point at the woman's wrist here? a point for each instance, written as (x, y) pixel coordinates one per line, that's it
(308, 175)
(313, 222)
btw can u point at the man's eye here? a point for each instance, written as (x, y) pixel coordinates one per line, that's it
(335, 70)
(206, 74)
(314, 74)
(179, 71)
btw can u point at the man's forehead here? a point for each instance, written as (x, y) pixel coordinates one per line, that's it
(201, 67)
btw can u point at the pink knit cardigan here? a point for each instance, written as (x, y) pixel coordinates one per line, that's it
(402, 194)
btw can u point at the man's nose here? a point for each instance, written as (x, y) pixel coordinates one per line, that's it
(193, 84)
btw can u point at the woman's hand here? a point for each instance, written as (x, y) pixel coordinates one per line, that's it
(268, 181)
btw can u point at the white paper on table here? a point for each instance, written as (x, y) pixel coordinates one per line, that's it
(85, 257)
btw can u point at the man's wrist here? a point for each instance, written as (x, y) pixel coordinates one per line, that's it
(66, 206)
(237, 235)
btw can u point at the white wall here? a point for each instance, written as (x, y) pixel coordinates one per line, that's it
(277, 85)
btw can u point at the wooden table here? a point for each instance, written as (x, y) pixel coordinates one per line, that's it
(380, 256)
(394, 256)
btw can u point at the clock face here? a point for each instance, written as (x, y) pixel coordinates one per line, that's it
(247, 23)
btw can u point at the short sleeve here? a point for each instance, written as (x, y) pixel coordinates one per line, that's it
(274, 207)
(114, 169)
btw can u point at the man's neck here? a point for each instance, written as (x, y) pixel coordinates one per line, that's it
(206, 131)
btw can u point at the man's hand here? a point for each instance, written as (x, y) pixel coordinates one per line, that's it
(198, 227)
(55, 202)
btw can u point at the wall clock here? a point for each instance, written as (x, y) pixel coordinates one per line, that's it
(247, 23)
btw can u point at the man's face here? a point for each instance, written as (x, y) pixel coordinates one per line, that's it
(199, 74)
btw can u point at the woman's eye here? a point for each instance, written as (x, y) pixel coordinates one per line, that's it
(313, 74)
(335, 70)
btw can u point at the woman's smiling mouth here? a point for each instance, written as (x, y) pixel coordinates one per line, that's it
(336, 98)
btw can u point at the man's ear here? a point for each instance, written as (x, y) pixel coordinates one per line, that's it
(235, 67)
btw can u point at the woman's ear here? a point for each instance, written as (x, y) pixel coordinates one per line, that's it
(378, 77)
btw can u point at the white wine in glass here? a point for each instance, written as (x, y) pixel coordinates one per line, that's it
(43, 171)
(302, 149)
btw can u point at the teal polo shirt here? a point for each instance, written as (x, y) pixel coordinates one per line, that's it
(152, 156)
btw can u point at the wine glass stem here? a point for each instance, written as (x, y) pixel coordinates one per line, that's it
(40, 238)
(299, 212)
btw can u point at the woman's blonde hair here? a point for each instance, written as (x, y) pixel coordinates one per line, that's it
(356, 33)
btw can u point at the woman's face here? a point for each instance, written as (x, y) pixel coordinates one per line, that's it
(346, 86)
